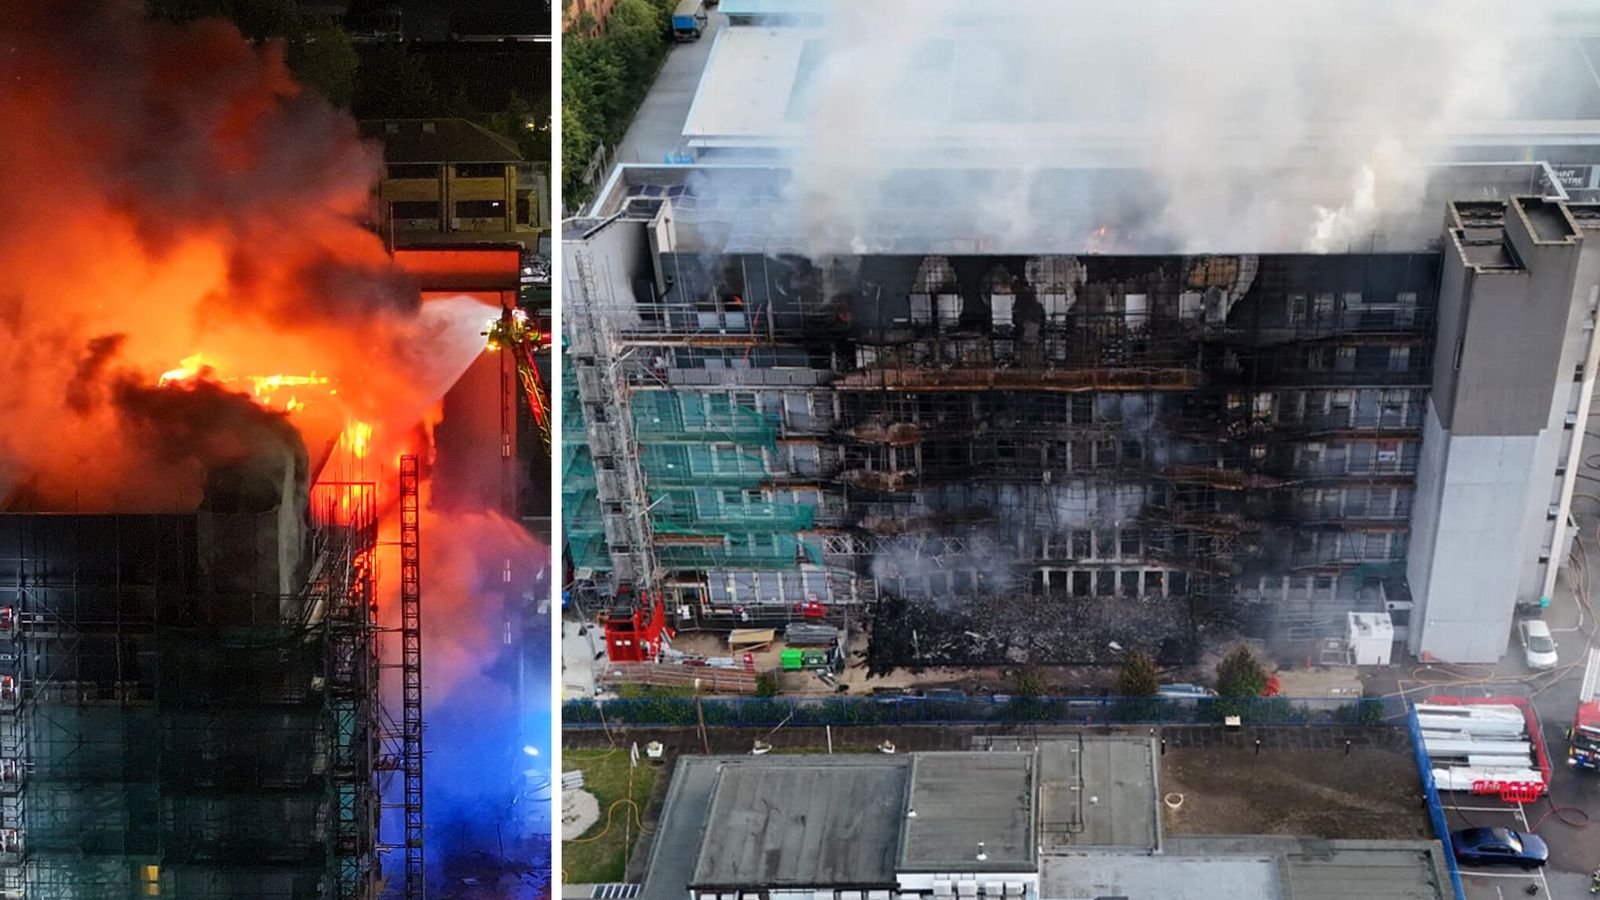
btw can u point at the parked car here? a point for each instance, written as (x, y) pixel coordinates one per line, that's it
(1184, 692)
(1499, 847)
(1538, 647)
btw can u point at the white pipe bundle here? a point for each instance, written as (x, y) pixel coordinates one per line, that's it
(1463, 747)
(1486, 725)
(1476, 761)
(1462, 778)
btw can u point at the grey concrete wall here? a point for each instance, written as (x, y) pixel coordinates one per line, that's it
(1494, 435)
(1451, 316)
(1503, 385)
(1470, 582)
(1425, 506)
(619, 254)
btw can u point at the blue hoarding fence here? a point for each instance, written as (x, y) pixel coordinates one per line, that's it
(1441, 828)
(746, 712)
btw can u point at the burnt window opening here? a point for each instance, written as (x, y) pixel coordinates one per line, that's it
(1130, 583)
(415, 209)
(480, 170)
(414, 170)
(480, 209)
(1081, 583)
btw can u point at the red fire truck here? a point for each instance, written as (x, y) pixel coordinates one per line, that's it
(1583, 738)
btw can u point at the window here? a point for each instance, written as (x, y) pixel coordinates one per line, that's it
(413, 170)
(415, 209)
(1297, 309)
(1130, 583)
(1082, 409)
(1339, 403)
(524, 211)
(1323, 584)
(480, 170)
(480, 209)
(1080, 545)
(1130, 543)
(1399, 359)
(1081, 582)
(1105, 544)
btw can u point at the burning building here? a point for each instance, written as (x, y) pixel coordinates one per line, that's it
(1040, 456)
(190, 699)
(192, 704)
(1036, 335)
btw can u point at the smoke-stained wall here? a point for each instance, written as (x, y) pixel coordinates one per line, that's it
(1199, 434)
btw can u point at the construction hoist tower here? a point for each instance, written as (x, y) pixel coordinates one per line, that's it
(597, 354)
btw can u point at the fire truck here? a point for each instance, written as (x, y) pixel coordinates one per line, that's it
(1583, 747)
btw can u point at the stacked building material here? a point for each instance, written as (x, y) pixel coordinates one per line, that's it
(1471, 746)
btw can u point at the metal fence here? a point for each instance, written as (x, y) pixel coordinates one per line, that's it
(1441, 828)
(960, 710)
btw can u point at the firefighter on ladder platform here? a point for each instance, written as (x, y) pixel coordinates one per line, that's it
(512, 331)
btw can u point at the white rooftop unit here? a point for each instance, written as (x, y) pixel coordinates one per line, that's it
(1371, 637)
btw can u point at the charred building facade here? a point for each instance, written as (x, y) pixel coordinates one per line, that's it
(188, 702)
(1039, 456)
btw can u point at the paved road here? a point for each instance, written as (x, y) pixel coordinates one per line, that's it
(657, 129)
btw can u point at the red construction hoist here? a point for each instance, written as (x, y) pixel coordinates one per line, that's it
(411, 674)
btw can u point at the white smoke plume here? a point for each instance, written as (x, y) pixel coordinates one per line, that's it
(1261, 124)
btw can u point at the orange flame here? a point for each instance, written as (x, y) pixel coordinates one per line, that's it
(189, 368)
(357, 438)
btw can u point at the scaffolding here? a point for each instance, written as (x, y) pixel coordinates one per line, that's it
(173, 724)
(411, 675)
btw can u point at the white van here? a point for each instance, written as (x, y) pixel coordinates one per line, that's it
(1538, 647)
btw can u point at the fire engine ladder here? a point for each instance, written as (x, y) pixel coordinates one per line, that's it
(411, 675)
(1591, 677)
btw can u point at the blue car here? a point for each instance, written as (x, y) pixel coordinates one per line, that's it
(1499, 847)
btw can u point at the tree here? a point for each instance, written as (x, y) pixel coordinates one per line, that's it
(392, 84)
(257, 20)
(1138, 677)
(1240, 674)
(1030, 683)
(767, 684)
(323, 59)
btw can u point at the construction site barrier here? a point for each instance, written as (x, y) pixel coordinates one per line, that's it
(995, 710)
(1430, 791)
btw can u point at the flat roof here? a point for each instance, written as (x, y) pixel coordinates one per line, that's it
(1371, 870)
(974, 90)
(1262, 868)
(803, 824)
(1099, 791)
(727, 208)
(964, 800)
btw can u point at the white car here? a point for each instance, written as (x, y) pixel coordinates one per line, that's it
(1184, 692)
(1538, 647)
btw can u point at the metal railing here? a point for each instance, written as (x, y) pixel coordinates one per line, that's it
(1430, 790)
(987, 710)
